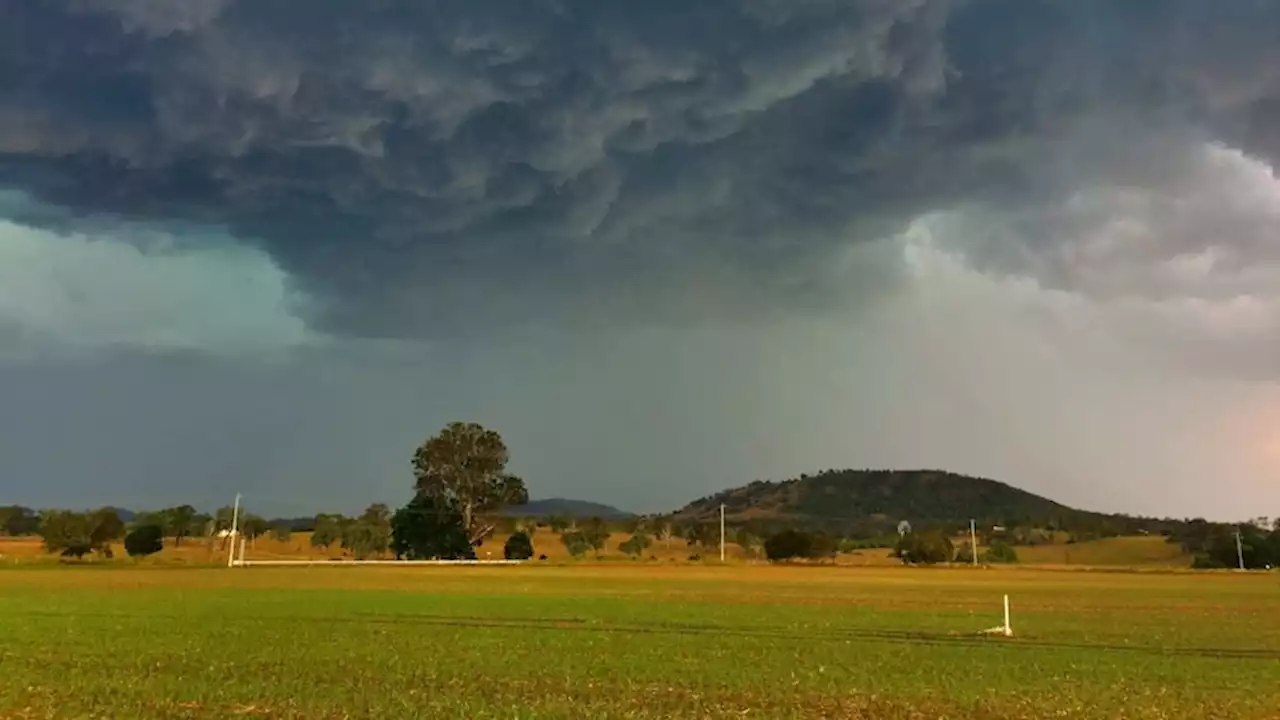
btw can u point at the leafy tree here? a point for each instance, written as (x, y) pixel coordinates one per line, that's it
(428, 528)
(369, 534)
(327, 530)
(73, 534)
(365, 539)
(144, 540)
(576, 543)
(180, 522)
(595, 532)
(16, 520)
(787, 545)
(253, 526)
(202, 524)
(558, 523)
(925, 548)
(636, 544)
(518, 547)
(465, 466)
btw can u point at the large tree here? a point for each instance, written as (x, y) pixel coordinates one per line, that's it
(465, 466)
(427, 529)
(180, 522)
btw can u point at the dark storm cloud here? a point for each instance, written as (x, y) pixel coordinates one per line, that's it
(405, 159)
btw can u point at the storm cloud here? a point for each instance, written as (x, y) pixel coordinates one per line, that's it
(624, 205)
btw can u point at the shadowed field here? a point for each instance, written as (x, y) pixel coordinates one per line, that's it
(634, 641)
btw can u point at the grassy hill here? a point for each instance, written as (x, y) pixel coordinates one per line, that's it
(871, 502)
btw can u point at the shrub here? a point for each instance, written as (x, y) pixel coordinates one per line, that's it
(144, 540)
(518, 547)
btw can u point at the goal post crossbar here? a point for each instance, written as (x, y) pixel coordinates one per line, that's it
(250, 563)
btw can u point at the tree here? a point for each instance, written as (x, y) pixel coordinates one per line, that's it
(787, 545)
(73, 534)
(327, 530)
(595, 532)
(925, 548)
(663, 534)
(636, 544)
(144, 540)
(465, 465)
(253, 526)
(428, 528)
(369, 534)
(518, 547)
(282, 532)
(181, 522)
(365, 539)
(575, 542)
(999, 552)
(16, 520)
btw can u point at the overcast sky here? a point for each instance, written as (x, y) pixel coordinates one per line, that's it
(662, 247)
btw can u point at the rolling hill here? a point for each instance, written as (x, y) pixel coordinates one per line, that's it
(866, 503)
(567, 508)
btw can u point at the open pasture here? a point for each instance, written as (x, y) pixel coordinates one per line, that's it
(643, 641)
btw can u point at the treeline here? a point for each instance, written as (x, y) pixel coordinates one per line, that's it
(1216, 545)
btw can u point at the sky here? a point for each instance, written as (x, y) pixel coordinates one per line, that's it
(663, 248)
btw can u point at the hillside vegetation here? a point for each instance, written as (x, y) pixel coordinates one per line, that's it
(870, 503)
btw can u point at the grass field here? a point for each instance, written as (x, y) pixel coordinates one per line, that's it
(1111, 552)
(634, 641)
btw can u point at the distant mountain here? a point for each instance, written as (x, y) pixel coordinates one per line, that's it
(866, 503)
(564, 507)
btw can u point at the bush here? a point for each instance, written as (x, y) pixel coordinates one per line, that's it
(1000, 552)
(518, 547)
(144, 540)
(788, 544)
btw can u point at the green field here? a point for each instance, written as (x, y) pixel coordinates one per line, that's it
(635, 642)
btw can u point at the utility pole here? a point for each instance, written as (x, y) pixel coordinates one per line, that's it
(721, 532)
(235, 519)
(973, 540)
(1239, 549)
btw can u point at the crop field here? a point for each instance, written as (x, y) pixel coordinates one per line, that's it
(634, 641)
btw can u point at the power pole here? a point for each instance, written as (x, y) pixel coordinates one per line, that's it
(1239, 549)
(973, 540)
(721, 532)
(235, 519)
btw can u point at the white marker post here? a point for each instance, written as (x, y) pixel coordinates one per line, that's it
(235, 518)
(1006, 629)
